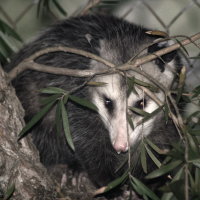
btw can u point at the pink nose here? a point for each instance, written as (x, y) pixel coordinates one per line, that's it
(120, 147)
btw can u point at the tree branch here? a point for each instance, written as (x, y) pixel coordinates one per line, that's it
(31, 65)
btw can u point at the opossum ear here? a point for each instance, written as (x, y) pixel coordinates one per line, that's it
(163, 59)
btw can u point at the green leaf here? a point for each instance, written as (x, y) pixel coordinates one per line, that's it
(9, 31)
(3, 59)
(83, 102)
(130, 121)
(116, 182)
(196, 91)
(98, 84)
(194, 132)
(9, 192)
(195, 57)
(143, 158)
(197, 178)
(131, 86)
(196, 163)
(58, 118)
(181, 83)
(43, 5)
(164, 169)
(59, 7)
(5, 47)
(66, 126)
(195, 114)
(35, 119)
(166, 113)
(53, 90)
(153, 157)
(145, 84)
(154, 147)
(139, 111)
(179, 175)
(155, 112)
(144, 190)
(49, 99)
(167, 196)
(177, 188)
(193, 144)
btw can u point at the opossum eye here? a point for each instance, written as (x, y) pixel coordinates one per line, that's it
(108, 104)
(141, 104)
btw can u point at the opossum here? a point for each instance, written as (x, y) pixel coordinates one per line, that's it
(102, 138)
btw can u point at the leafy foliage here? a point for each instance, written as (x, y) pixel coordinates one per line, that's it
(181, 166)
(47, 5)
(6, 49)
(59, 98)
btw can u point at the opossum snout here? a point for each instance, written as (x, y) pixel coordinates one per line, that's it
(120, 147)
(120, 144)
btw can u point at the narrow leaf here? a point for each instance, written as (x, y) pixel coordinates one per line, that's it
(143, 158)
(59, 7)
(3, 59)
(35, 119)
(194, 145)
(83, 102)
(9, 31)
(116, 182)
(58, 118)
(139, 111)
(177, 187)
(181, 83)
(154, 147)
(155, 112)
(196, 91)
(197, 178)
(164, 169)
(196, 163)
(53, 90)
(195, 114)
(167, 196)
(66, 126)
(145, 190)
(195, 132)
(49, 99)
(153, 157)
(166, 113)
(157, 33)
(131, 86)
(6, 47)
(98, 84)
(130, 121)
(145, 84)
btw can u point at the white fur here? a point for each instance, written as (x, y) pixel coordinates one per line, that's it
(119, 129)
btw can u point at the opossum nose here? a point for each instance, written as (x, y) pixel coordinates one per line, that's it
(120, 147)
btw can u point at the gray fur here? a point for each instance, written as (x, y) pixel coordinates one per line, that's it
(116, 41)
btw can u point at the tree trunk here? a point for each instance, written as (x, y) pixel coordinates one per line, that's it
(19, 161)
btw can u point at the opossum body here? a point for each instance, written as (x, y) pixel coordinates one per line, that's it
(101, 139)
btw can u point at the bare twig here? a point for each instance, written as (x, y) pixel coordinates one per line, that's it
(30, 64)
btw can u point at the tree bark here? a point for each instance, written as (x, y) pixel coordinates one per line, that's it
(19, 161)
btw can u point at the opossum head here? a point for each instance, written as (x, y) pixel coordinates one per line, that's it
(114, 102)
